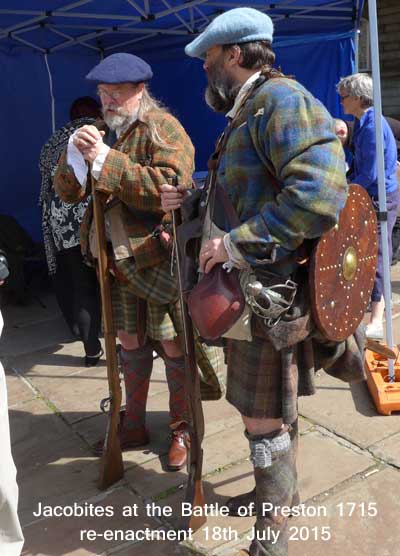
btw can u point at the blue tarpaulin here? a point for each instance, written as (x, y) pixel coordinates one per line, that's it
(48, 46)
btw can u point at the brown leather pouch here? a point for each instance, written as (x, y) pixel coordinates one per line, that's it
(216, 302)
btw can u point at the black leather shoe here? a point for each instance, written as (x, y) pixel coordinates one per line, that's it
(92, 360)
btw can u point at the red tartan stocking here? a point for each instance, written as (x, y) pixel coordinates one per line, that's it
(175, 371)
(137, 365)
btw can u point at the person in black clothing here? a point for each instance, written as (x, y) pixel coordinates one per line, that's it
(75, 283)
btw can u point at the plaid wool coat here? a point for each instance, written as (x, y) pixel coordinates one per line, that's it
(133, 173)
(284, 171)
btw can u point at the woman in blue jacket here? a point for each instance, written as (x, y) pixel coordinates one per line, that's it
(356, 94)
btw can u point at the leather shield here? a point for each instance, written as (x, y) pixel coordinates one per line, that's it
(343, 267)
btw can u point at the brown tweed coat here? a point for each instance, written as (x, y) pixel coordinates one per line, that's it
(133, 174)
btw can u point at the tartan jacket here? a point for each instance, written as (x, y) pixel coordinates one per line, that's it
(284, 171)
(133, 174)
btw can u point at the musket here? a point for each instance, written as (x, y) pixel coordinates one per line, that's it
(194, 489)
(111, 464)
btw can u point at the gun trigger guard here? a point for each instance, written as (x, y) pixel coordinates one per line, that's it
(105, 404)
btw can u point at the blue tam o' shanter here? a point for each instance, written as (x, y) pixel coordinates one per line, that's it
(121, 68)
(232, 27)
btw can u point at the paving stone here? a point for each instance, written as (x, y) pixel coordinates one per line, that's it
(22, 315)
(18, 391)
(305, 426)
(336, 463)
(313, 480)
(52, 462)
(348, 411)
(55, 466)
(75, 396)
(94, 428)
(225, 448)
(350, 534)
(59, 376)
(388, 449)
(157, 422)
(35, 427)
(158, 382)
(54, 361)
(34, 336)
(60, 536)
(357, 534)
(217, 489)
(151, 478)
(220, 415)
(63, 480)
(217, 452)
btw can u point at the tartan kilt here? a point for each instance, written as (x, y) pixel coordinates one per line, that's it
(164, 317)
(158, 287)
(262, 382)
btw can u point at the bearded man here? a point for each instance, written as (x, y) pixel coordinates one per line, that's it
(144, 146)
(282, 169)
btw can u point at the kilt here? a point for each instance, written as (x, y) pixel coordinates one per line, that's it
(164, 317)
(262, 382)
(158, 287)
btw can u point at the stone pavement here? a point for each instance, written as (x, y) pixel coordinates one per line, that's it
(349, 463)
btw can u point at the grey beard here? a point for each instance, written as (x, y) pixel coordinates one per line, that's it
(115, 121)
(120, 121)
(221, 96)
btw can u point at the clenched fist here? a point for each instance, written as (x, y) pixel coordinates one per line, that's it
(89, 141)
(171, 196)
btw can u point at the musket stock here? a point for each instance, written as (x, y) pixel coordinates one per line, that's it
(111, 464)
(194, 489)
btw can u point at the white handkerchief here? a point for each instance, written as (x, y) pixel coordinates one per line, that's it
(76, 160)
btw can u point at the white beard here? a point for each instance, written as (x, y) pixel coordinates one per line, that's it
(120, 121)
(115, 121)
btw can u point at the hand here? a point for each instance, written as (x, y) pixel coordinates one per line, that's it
(1, 282)
(171, 196)
(90, 154)
(88, 140)
(212, 252)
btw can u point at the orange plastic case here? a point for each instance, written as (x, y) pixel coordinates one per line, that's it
(385, 394)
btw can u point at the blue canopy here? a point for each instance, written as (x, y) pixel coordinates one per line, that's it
(48, 46)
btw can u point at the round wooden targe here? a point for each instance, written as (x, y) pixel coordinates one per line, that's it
(343, 267)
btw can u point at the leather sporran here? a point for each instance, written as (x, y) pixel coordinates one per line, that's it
(216, 302)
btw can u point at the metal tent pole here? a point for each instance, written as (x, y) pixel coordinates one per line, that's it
(52, 99)
(356, 43)
(373, 25)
